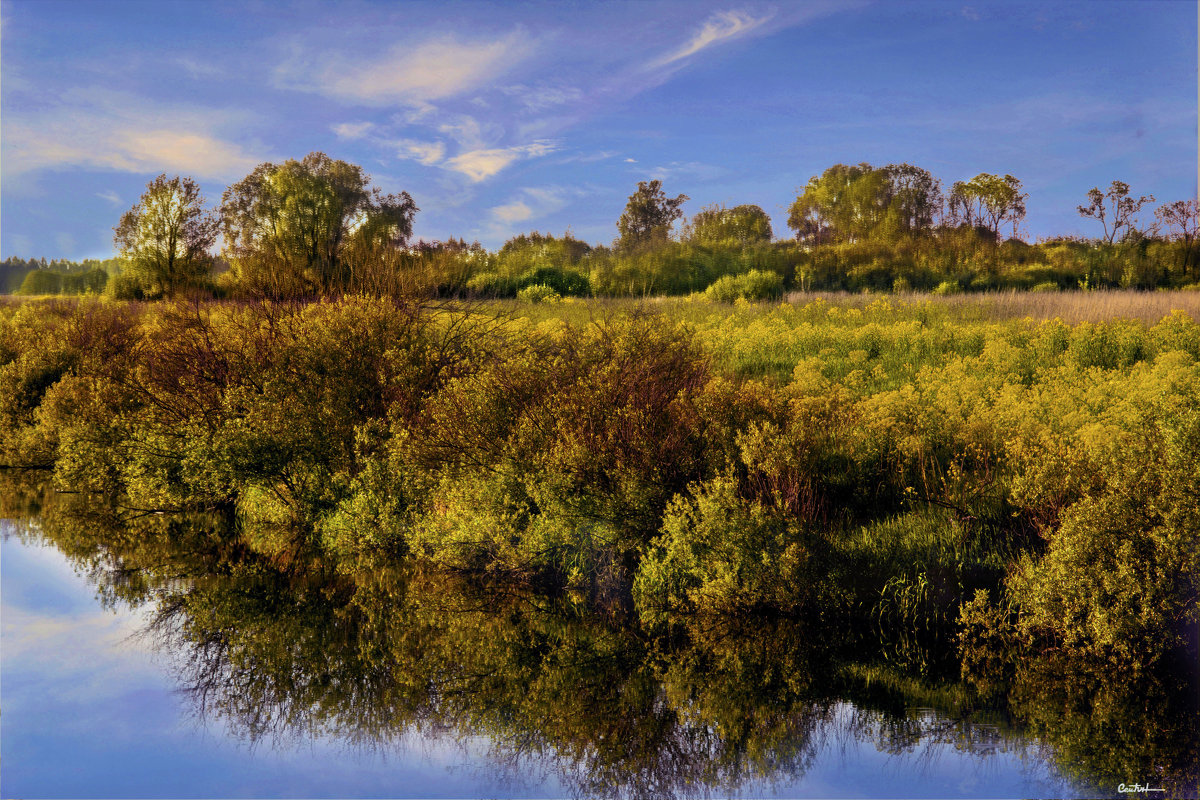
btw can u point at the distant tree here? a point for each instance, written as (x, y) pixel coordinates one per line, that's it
(915, 198)
(288, 227)
(648, 216)
(165, 238)
(988, 201)
(41, 281)
(741, 225)
(1183, 218)
(861, 202)
(1183, 215)
(1115, 206)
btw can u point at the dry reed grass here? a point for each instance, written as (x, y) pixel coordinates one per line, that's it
(1071, 307)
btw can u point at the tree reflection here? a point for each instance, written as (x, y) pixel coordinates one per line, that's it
(285, 646)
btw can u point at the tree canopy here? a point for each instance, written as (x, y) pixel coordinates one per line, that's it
(740, 226)
(648, 216)
(289, 227)
(165, 238)
(988, 201)
(861, 202)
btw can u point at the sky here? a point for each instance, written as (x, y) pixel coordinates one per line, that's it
(505, 118)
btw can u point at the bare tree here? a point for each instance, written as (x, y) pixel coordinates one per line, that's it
(1115, 206)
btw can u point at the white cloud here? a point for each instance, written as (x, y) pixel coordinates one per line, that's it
(352, 130)
(532, 202)
(427, 153)
(430, 70)
(481, 164)
(110, 196)
(107, 130)
(512, 212)
(720, 27)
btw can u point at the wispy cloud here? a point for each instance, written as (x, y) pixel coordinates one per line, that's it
(407, 73)
(481, 164)
(530, 203)
(688, 169)
(720, 27)
(427, 153)
(510, 213)
(110, 196)
(352, 130)
(100, 129)
(543, 96)
(199, 70)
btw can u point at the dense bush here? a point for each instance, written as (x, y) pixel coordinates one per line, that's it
(752, 285)
(884, 462)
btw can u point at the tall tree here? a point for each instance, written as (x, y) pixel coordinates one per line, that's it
(289, 227)
(648, 216)
(165, 239)
(1115, 206)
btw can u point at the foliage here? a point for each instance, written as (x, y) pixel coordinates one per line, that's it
(306, 226)
(648, 216)
(988, 200)
(164, 240)
(752, 285)
(717, 225)
(889, 460)
(860, 203)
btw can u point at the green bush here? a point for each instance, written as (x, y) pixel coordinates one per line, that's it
(752, 285)
(719, 553)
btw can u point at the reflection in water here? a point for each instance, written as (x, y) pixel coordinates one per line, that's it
(290, 646)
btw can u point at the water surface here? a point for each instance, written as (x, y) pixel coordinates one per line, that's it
(254, 681)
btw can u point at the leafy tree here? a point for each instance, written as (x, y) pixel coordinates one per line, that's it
(289, 227)
(41, 281)
(648, 216)
(165, 238)
(1117, 202)
(915, 198)
(717, 225)
(861, 203)
(989, 201)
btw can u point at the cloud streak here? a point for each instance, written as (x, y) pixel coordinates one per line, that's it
(479, 165)
(409, 73)
(720, 27)
(106, 130)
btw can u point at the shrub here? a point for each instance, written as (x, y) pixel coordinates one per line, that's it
(752, 285)
(538, 293)
(719, 553)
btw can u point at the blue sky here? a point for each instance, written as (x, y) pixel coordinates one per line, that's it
(505, 118)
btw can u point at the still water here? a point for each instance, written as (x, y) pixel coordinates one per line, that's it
(245, 686)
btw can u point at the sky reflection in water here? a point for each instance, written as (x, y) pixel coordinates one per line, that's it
(90, 709)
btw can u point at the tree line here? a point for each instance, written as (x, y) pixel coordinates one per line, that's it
(317, 226)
